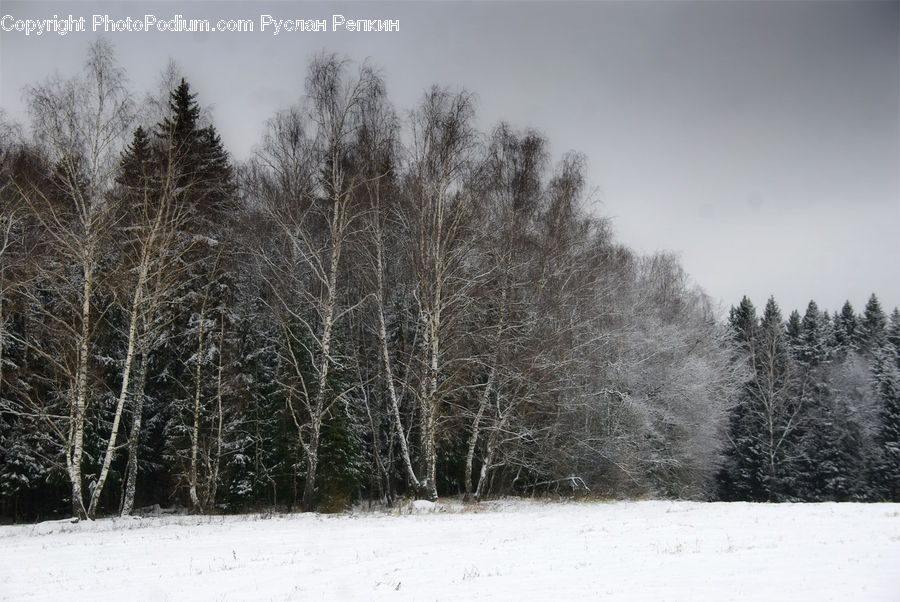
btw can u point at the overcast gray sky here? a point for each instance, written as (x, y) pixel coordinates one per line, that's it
(759, 140)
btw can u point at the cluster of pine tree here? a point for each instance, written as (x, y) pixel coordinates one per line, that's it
(817, 419)
(373, 307)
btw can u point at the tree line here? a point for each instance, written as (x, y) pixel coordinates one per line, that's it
(376, 304)
(818, 418)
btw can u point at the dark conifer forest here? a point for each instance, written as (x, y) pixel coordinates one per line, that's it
(383, 302)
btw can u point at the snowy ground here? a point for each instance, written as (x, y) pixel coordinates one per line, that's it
(509, 550)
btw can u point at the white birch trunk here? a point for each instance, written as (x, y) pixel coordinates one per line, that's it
(135, 437)
(123, 394)
(79, 407)
(214, 472)
(388, 370)
(319, 406)
(476, 424)
(195, 431)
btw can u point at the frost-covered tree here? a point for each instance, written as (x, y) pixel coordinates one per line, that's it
(512, 196)
(885, 368)
(846, 330)
(872, 326)
(834, 454)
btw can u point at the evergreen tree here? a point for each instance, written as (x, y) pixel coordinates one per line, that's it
(810, 351)
(183, 119)
(886, 377)
(831, 465)
(137, 160)
(344, 465)
(873, 326)
(743, 476)
(191, 155)
(813, 341)
(201, 165)
(846, 330)
(794, 330)
(744, 323)
(893, 331)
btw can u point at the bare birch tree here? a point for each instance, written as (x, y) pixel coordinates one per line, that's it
(313, 204)
(378, 148)
(81, 125)
(512, 176)
(439, 214)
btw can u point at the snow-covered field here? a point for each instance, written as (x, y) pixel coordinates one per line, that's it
(507, 550)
